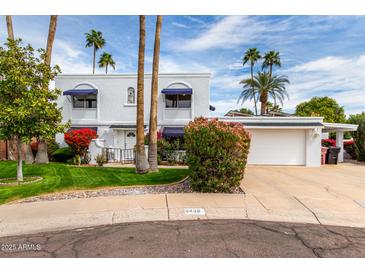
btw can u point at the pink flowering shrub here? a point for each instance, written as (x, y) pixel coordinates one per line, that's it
(216, 154)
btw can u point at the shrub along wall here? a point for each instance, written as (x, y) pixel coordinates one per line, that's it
(360, 142)
(216, 154)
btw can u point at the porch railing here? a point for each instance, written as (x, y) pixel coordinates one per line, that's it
(119, 155)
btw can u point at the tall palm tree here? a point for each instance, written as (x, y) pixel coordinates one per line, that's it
(42, 154)
(50, 40)
(106, 59)
(266, 86)
(271, 59)
(12, 142)
(141, 159)
(9, 26)
(95, 40)
(252, 55)
(152, 142)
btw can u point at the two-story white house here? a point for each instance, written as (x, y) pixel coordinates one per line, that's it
(107, 103)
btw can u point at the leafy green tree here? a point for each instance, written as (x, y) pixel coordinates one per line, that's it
(106, 59)
(27, 106)
(273, 107)
(326, 107)
(356, 118)
(95, 40)
(244, 110)
(359, 143)
(251, 56)
(265, 86)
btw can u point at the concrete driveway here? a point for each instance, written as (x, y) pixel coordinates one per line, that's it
(332, 194)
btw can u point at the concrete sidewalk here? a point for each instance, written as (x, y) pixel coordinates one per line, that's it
(25, 218)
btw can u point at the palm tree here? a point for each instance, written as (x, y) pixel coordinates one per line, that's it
(10, 143)
(9, 26)
(271, 59)
(42, 154)
(94, 39)
(105, 60)
(252, 55)
(50, 40)
(141, 159)
(248, 93)
(266, 86)
(152, 142)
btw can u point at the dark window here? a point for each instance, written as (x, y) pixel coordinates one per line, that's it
(84, 101)
(77, 128)
(178, 100)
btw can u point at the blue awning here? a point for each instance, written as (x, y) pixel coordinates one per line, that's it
(80, 91)
(172, 132)
(177, 91)
(211, 108)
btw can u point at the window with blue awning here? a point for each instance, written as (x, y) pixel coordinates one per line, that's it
(74, 92)
(177, 91)
(169, 132)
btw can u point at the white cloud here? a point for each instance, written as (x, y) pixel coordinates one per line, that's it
(324, 64)
(230, 32)
(338, 77)
(223, 106)
(221, 81)
(195, 19)
(179, 25)
(170, 65)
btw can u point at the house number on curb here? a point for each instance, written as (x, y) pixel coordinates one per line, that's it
(194, 211)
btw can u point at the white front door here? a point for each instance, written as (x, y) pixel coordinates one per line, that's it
(129, 139)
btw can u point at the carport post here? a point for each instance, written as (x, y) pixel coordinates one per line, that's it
(339, 143)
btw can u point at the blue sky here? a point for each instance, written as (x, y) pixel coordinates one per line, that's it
(321, 55)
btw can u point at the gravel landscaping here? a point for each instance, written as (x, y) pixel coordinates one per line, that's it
(181, 187)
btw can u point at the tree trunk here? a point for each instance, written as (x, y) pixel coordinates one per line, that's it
(263, 100)
(19, 174)
(254, 97)
(9, 25)
(42, 155)
(29, 158)
(152, 148)
(141, 159)
(51, 36)
(106, 69)
(94, 56)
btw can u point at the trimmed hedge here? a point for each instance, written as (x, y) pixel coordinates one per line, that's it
(216, 154)
(63, 154)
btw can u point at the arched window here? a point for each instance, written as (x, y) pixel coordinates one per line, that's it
(131, 96)
(131, 134)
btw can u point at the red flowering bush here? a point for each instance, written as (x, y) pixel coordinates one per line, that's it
(79, 140)
(216, 154)
(328, 142)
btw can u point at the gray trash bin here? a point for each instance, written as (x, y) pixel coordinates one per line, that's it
(332, 155)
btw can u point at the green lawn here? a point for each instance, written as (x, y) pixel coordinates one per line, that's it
(61, 177)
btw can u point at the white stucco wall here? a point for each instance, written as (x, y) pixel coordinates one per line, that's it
(112, 107)
(112, 104)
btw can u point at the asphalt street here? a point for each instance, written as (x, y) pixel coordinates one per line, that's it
(218, 238)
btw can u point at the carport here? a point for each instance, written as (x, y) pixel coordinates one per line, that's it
(339, 129)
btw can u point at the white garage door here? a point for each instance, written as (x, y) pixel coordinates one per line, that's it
(277, 147)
